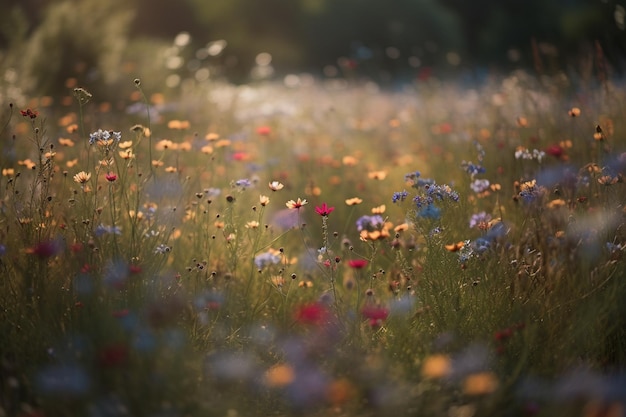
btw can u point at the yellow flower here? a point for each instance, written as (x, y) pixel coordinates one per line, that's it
(212, 136)
(377, 175)
(353, 201)
(264, 200)
(27, 163)
(379, 210)
(66, 142)
(349, 160)
(436, 366)
(574, 112)
(178, 124)
(82, 177)
(480, 383)
(8, 172)
(279, 376)
(127, 154)
(559, 202)
(164, 144)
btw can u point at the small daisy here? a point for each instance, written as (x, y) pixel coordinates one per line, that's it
(82, 177)
(275, 186)
(291, 204)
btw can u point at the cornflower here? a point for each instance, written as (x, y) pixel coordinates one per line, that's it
(399, 196)
(479, 185)
(107, 230)
(291, 204)
(243, 183)
(266, 258)
(103, 137)
(369, 222)
(472, 169)
(480, 220)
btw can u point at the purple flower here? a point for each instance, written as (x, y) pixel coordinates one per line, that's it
(399, 196)
(478, 219)
(369, 222)
(478, 186)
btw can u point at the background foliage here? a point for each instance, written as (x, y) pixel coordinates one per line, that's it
(60, 37)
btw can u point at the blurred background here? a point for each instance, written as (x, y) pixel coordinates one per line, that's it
(43, 43)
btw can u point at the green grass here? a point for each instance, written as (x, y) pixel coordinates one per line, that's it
(140, 291)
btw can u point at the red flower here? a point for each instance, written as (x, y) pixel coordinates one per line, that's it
(29, 113)
(324, 210)
(110, 177)
(312, 313)
(113, 355)
(375, 314)
(357, 263)
(555, 150)
(45, 249)
(263, 130)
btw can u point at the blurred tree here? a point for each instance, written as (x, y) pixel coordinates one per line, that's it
(83, 39)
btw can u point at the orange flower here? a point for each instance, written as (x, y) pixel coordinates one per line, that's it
(353, 201)
(454, 247)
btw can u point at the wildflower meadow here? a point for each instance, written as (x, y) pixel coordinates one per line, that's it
(315, 247)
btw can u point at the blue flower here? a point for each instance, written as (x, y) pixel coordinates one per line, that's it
(412, 176)
(479, 219)
(243, 183)
(399, 196)
(369, 222)
(430, 212)
(421, 201)
(473, 169)
(481, 245)
(265, 259)
(480, 185)
(107, 230)
(104, 136)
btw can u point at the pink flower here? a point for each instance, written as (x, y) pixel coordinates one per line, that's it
(110, 177)
(324, 210)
